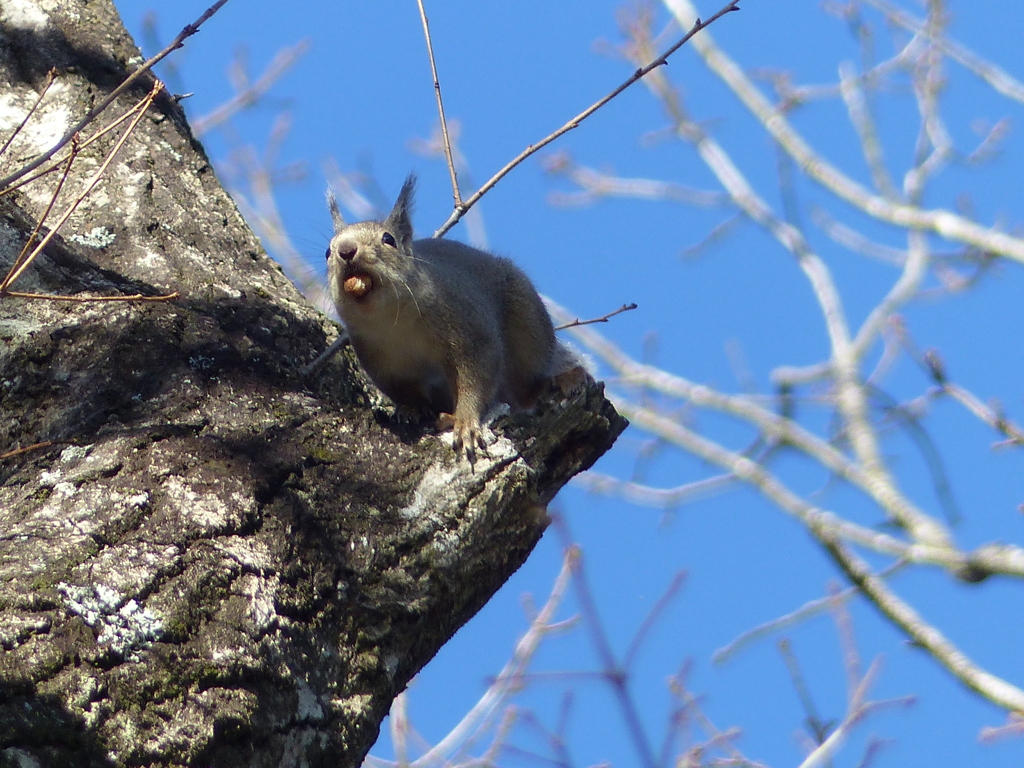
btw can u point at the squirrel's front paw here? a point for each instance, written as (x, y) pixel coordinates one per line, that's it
(467, 435)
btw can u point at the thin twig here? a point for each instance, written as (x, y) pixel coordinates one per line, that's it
(511, 675)
(399, 724)
(906, 288)
(857, 711)
(819, 727)
(596, 184)
(15, 269)
(991, 416)
(807, 610)
(178, 42)
(698, 25)
(860, 115)
(440, 107)
(1014, 728)
(26, 449)
(649, 496)
(603, 319)
(80, 143)
(720, 739)
(46, 86)
(856, 241)
(652, 616)
(847, 639)
(89, 299)
(612, 671)
(142, 107)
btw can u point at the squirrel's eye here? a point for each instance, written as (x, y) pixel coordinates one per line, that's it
(328, 254)
(388, 239)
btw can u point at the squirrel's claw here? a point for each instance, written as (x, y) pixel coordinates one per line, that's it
(467, 435)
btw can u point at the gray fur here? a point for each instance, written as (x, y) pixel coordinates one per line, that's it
(444, 326)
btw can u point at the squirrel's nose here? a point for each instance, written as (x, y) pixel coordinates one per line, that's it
(346, 252)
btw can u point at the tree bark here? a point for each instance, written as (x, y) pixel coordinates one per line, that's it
(213, 560)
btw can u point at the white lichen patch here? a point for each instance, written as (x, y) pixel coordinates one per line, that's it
(22, 14)
(131, 569)
(51, 6)
(46, 127)
(152, 260)
(124, 626)
(97, 237)
(308, 708)
(138, 500)
(48, 479)
(130, 184)
(98, 200)
(171, 150)
(206, 509)
(81, 463)
(74, 453)
(250, 553)
(65, 489)
(437, 482)
(260, 593)
(227, 290)
(352, 707)
(11, 112)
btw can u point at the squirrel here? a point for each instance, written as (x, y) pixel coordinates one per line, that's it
(441, 325)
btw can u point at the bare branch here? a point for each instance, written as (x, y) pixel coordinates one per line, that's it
(90, 299)
(696, 26)
(507, 681)
(602, 319)
(659, 498)
(140, 110)
(992, 416)
(26, 449)
(594, 185)
(860, 116)
(998, 78)
(993, 688)
(175, 44)
(942, 222)
(283, 60)
(440, 106)
(807, 610)
(1014, 728)
(771, 425)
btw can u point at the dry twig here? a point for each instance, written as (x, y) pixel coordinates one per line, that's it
(694, 28)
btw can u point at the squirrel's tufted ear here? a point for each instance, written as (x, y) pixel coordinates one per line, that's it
(332, 206)
(399, 220)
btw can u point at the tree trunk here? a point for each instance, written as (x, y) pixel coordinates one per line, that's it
(212, 560)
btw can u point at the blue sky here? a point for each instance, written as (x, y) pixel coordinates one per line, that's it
(511, 73)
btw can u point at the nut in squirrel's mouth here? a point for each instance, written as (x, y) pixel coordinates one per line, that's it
(357, 285)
